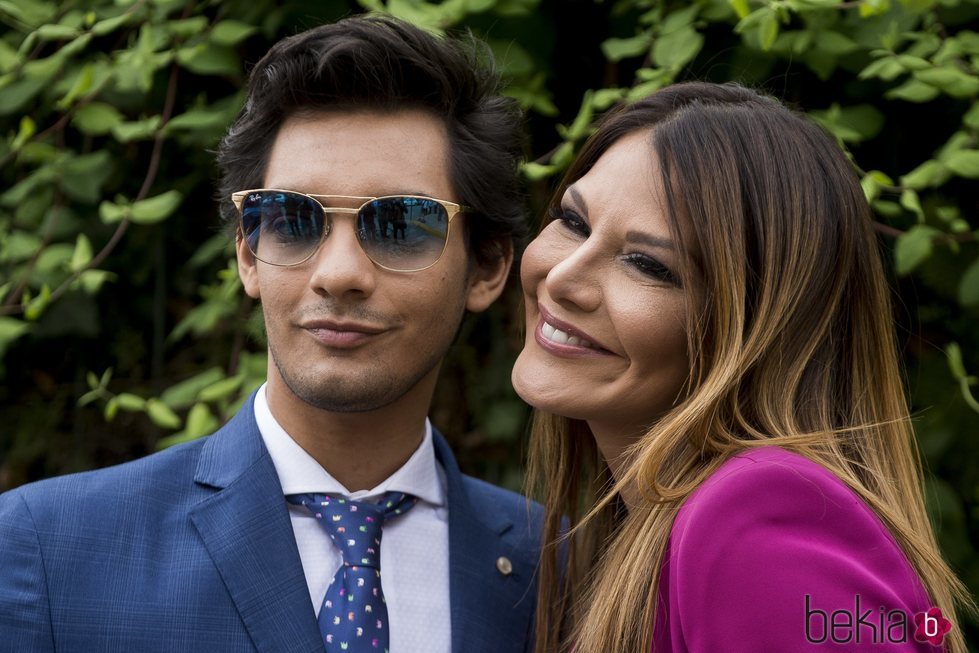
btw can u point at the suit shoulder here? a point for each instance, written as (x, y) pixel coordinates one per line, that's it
(157, 473)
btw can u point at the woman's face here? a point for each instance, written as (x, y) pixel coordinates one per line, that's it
(606, 331)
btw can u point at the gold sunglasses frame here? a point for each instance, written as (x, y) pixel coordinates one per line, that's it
(452, 209)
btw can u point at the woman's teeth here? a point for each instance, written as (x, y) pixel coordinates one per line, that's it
(562, 338)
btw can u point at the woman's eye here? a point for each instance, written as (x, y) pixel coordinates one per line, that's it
(652, 268)
(570, 220)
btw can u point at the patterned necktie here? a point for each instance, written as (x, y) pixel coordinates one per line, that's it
(354, 617)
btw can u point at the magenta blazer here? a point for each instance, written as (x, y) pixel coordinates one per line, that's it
(773, 553)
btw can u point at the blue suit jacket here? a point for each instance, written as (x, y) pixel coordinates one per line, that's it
(192, 549)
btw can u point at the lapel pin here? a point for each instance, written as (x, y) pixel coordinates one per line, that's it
(504, 566)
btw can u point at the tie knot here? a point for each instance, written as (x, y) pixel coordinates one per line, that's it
(355, 526)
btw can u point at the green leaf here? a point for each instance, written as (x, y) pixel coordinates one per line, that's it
(31, 13)
(162, 415)
(187, 27)
(206, 118)
(913, 248)
(97, 118)
(768, 30)
(9, 59)
(81, 86)
(18, 246)
(872, 183)
(112, 212)
(185, 392)
(36, 306)
(155, 209)
(616, 49)
(836, 43)
(740, 8)
(950, 79)
(929, 173)
(24, 133)
(83, 253)
(886, 68)
(676, 49)
(606, 97)
(645, 89)
(10, 330)
(200, 421)
(969, 285)
(56, 32)
(83, 176)
(680, 19)
(109, 25)
(563, 155)
(964, 163)
(92, 280)
(910, 201)
(231, 32)
(971, 117)
(130, 402)
(221, 389)
(535, 171)
(209, 59)
(16, 94)
(136, 130)
(111, 409)
(581, 122)
(913, 91)
(871, 8)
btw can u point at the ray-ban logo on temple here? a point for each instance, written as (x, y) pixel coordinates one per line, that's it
(404, 233)
(874, 625)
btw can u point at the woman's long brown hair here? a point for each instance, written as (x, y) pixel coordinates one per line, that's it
(791, 344)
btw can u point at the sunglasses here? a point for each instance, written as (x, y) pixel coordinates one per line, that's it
(403, 233)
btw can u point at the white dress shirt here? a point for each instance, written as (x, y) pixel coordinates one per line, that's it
(414, 547)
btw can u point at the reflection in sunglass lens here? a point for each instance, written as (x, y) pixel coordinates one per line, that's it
(403, 233)
(282, 228)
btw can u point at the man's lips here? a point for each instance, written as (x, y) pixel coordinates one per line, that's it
(341, 334)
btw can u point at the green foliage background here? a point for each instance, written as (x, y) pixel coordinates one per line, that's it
(123, 327)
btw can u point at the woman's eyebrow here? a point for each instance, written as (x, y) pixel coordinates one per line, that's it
(643, 238)
(578, 200)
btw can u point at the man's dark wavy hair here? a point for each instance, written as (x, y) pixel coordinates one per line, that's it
(384, 64)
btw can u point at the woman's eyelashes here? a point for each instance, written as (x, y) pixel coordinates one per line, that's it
(570, 220)
(653, 268)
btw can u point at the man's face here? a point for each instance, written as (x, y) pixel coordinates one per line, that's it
(344, 334)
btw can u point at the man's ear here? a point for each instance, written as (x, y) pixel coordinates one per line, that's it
(488, 279)
(247, 270)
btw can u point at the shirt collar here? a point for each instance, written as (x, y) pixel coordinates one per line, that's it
(299, 473)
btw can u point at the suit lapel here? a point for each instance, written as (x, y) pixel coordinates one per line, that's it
(246, 529)
(491, 610)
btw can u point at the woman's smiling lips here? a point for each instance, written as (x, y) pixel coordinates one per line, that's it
(341, 335)
(561, 338)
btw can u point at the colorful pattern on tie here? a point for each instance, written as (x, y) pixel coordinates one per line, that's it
(354, 617)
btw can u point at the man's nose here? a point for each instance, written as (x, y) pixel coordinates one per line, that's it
(340, 266)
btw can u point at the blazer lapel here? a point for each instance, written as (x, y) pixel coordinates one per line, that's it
(246, 529)
(491, 568)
